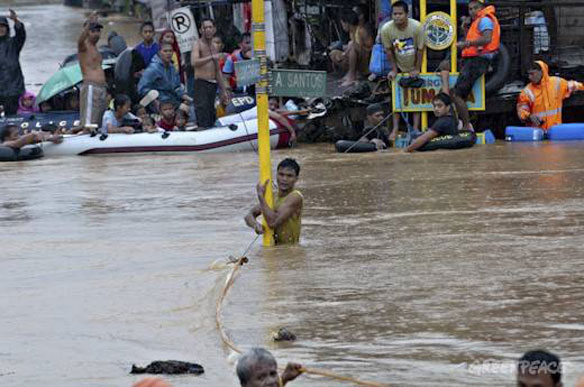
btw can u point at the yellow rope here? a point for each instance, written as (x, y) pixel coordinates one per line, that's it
(228, 284)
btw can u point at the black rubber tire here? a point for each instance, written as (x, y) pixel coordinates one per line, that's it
(359, 147)
(502, 64)
(11, 154)
(460, 141)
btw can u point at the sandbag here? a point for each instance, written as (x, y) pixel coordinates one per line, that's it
(355, 146)
(460, 141)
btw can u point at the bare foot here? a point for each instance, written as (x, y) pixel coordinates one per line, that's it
(348, 82)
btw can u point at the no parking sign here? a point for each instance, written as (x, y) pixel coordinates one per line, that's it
(184, 27)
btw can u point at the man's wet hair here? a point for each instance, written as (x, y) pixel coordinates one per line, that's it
(401, 4)
(6, 130)
(248, 361)
(350, 17)
(445, 98)
(540, 361)
(146, 24)
(290, 163)
(120, 100)
(244, 36)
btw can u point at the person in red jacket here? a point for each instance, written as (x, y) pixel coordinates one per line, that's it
(483, 38)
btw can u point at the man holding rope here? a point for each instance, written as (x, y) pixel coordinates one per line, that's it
(258, 368)
(285, 217)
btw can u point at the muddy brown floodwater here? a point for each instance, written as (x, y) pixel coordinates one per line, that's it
(436, 269)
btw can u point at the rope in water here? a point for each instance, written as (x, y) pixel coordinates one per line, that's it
(229, 343)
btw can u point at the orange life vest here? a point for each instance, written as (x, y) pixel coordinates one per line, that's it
(474, 33)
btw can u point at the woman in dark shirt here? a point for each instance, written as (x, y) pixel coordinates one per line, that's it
(447, 122)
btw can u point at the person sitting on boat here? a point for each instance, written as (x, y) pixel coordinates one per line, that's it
(180, 120)
(258, 367)
(115, 121)
(10, 137)
(168, 113)
(161, 75)
(379, 137)
(285, 217)
(540, 103)
(446, 123)
(148, 48)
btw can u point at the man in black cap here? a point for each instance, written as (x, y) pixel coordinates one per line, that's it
(375, 114)
(11, 78)
(93, 91)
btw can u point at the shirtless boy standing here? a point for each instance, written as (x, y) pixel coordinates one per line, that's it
(205, 60)
(93, 90)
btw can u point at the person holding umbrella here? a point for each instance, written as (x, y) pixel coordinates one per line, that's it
(11, 77)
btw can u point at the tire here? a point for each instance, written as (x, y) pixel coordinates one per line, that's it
(502, 66)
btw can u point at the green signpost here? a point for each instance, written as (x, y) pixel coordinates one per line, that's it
(297, 83)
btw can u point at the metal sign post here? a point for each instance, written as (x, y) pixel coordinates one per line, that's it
(259, 41)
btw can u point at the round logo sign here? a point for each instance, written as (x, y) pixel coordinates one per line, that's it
(439, 31)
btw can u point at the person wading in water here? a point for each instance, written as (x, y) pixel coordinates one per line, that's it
(93, 90)
(285, 217)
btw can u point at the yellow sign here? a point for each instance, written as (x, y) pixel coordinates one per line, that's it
(420, 99)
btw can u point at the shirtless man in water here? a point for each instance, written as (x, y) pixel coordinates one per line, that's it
(205, 60)
(93, 90)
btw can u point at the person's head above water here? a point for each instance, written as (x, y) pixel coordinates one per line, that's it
(290, 164)
(539, 369)
(258, 368)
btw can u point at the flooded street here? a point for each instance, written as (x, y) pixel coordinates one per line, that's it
(414, 270)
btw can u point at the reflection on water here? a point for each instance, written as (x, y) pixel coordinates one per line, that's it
(411, 266)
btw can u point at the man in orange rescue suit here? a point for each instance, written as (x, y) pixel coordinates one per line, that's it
(482, 43)
(540, 103)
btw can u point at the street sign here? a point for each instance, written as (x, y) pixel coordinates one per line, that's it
(298, 83)
(420, 99)
(247, 72)
(184, 27)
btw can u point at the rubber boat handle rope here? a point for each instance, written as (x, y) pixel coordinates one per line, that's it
(229, 343)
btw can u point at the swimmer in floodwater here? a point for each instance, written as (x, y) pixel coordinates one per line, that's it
(447, 121)
(539, 369)
(285, 217)
(258, 368)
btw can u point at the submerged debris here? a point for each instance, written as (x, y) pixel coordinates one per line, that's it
(283, 334)
(169, 367)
